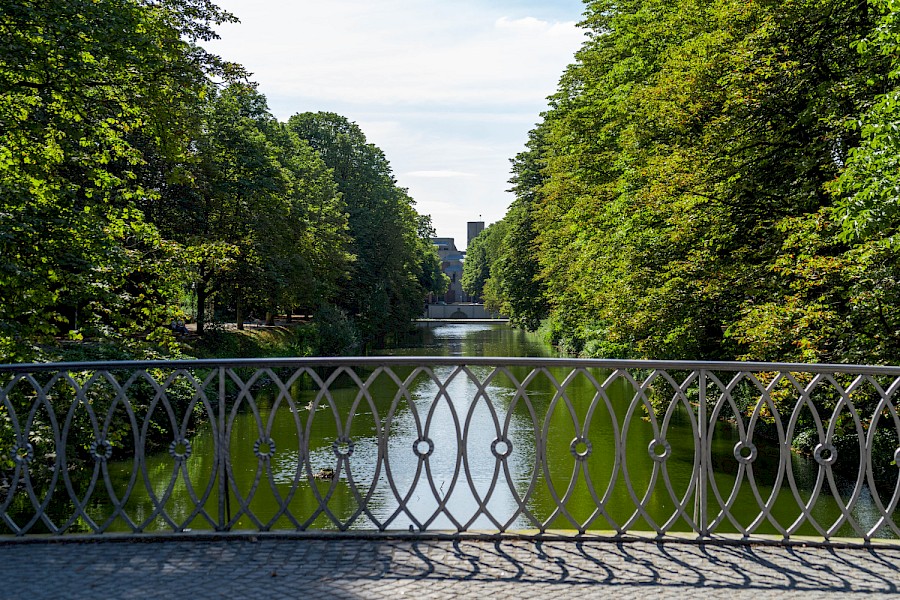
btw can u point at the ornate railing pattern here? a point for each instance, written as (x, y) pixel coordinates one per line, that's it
(449, 445)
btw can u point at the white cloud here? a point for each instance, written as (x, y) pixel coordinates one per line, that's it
(399, 52)
(448, 90)
(437, 174)
(533, 25)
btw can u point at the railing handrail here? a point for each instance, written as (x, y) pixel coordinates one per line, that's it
(338, 361)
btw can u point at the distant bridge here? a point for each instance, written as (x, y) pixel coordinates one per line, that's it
(459, 311)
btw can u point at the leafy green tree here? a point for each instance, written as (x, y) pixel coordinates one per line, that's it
(85, 88)
(869, 185)
(501, 265)
(838, 268)
(266, 228)
(308, 259)
(389, 278)
(481, 253)
(431, 279)
(239, 189)
(516, 273)
(690, 148)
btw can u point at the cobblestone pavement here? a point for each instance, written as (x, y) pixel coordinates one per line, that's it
(196, 569)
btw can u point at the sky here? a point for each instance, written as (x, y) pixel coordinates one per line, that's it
(447, 89)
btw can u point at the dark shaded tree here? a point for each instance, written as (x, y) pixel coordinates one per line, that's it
(390, 276)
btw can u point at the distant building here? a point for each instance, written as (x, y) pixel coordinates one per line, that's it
(452, 267)
(445, 246)
(452, 263)
(474, 228)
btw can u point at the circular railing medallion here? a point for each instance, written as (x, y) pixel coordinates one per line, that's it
(101, 450)
(264, 448)
(501, 448)
(655, 454)
(418, 449)
(825, 454)
(180, 449)
(23, 454)
(581, 448)
(745, 452)
(343, 448)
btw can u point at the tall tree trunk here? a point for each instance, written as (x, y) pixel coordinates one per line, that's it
(238, 316)
(201, 306)
(201, 301)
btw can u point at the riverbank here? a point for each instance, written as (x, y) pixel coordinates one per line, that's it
(253, 342)
(328, 333)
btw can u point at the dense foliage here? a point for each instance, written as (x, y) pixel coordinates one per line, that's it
(140, 174)
(714, 179)
(396, 264)
(83, 86)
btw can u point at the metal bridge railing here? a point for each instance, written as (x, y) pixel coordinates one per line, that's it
(451, 446)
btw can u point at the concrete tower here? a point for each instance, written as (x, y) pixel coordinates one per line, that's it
(474, 228)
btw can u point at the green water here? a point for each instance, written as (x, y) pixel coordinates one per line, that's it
(592, 491)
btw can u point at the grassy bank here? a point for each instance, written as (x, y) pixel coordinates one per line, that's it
(257, 342)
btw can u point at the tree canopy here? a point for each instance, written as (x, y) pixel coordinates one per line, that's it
(717, 179)
(396, 265)
(140, 173)
(85, 88)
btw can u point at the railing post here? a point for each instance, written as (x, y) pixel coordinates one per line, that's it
(222, 450)
(701, 516)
